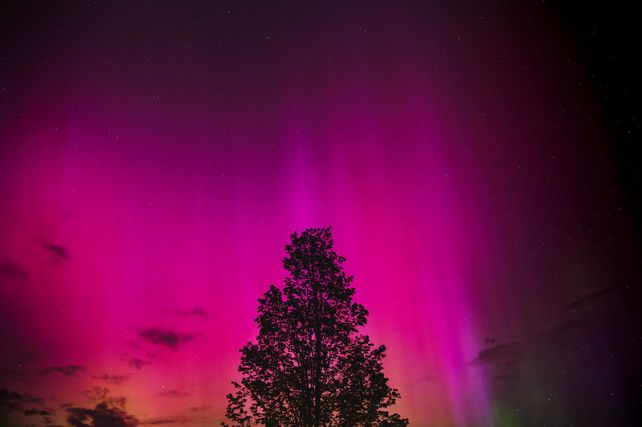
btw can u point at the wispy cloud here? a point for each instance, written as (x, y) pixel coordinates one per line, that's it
(423, 380)
(499, 354)
(194, 312)
(502, 360)
(559, 332)
(174, 393)
(112, 379)
(590, 298)
(13, 271)
(67, 370)
(164, 421)
(138, 363)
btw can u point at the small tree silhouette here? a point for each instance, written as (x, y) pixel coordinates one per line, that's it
(310, 366)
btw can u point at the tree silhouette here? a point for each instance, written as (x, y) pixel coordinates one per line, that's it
(310, 366)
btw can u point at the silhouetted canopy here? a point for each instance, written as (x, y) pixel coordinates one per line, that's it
(310, 365)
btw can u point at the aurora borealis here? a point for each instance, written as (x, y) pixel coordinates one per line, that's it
(156, 156)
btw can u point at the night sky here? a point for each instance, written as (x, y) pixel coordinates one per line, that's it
(478, 162)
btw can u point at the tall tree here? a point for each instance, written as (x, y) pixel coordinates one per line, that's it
(310, 365)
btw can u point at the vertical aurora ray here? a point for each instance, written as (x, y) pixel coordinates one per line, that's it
(169, 152)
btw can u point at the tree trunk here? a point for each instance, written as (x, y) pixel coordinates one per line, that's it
(317, 378)
(317, 356)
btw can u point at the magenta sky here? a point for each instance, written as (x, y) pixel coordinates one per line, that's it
(155, 159)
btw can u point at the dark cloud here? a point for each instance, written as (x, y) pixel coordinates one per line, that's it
(57, 252)
(13, 271)
(499, 354)
(38, 411)
(138, 363)
(112, 379)
(15, 399)
(25, 403)
(174, 394)
(97, 394)
(165, 337)
(199, 408)
(501, 360)
(104, 414)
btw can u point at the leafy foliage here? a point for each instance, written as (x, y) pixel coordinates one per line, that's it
(310, 366)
